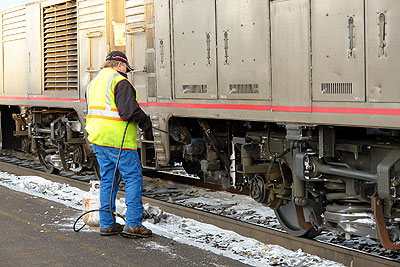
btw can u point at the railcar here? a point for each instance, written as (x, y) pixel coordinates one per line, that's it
(295, 100)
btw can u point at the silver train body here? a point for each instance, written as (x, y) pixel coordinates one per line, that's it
(295, 100)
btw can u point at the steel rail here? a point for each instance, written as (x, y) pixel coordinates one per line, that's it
(344, 255)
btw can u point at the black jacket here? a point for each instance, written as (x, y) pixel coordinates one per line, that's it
(128, 107)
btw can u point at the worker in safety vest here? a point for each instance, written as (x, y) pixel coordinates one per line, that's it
(112, 104)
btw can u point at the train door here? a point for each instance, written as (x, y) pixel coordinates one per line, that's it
(243, 49)
(290, 24)
(338, 50)
(195, 49)
(383, 50)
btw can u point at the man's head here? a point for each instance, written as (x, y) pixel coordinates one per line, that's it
(118, 61)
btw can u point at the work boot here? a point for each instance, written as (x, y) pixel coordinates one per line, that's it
(140, 231)
(113, 230)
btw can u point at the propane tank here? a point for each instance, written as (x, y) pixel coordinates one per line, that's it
(91, 201)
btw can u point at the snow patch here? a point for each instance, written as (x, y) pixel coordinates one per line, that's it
(183, 230)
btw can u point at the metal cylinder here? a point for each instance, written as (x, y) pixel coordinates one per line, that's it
(360, 175)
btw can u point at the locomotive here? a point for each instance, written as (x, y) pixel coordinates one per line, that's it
(295, 100)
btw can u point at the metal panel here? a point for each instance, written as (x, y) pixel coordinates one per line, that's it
(195, 48)
(115, 22)
(163, 48)
(92, 39)
(290, 23)
(136, 45)
(15, 77)
(34, 58)
(1, 60)
(14, 51)
(338, 50)
(243, 49)
(383, 50)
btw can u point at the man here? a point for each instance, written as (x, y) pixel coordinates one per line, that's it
(112, 104)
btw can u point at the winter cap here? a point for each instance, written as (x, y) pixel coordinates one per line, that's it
(119, 56)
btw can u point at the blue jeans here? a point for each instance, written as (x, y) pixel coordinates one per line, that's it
(131, 171)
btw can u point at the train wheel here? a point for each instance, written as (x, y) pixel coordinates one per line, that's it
(287, 217)
(77, 159)
(49, 168)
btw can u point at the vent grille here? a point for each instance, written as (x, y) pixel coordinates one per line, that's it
(13, 24)
(151, 87)
(195, 89)
(243, 89)
(135, 14)
(60, 47)
(337, 88)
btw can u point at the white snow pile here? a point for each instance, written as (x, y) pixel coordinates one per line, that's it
(227, 243)
(40, 187)
(182, 230)
(235, 206)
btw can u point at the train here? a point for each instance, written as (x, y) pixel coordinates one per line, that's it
(297, 101)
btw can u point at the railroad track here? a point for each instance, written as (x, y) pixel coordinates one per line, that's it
(349, 257)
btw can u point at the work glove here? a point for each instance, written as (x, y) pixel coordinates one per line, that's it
(147, 129)
(148, 134)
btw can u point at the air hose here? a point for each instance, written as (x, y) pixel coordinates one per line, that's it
(112, 190)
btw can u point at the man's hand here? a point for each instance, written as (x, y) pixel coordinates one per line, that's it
(147, 129)
(148, 134)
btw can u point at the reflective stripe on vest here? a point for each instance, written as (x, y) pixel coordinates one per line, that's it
(107, 111)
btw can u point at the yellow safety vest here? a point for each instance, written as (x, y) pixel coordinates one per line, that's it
(103, 123)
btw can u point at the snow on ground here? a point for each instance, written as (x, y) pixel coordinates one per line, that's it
(182, 230)
(241, 207)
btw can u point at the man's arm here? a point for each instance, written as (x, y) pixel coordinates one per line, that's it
(128, 107)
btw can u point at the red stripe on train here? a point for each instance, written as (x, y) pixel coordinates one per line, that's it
(43, 99)
(336, 110)
(207, 106)
(291, 109)
(369, 111)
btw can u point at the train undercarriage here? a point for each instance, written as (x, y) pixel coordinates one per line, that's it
(54, 135)
(343, 179)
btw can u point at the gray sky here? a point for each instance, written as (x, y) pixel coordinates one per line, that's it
(8, 3)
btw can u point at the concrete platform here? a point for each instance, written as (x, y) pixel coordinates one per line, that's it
(31, 234)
